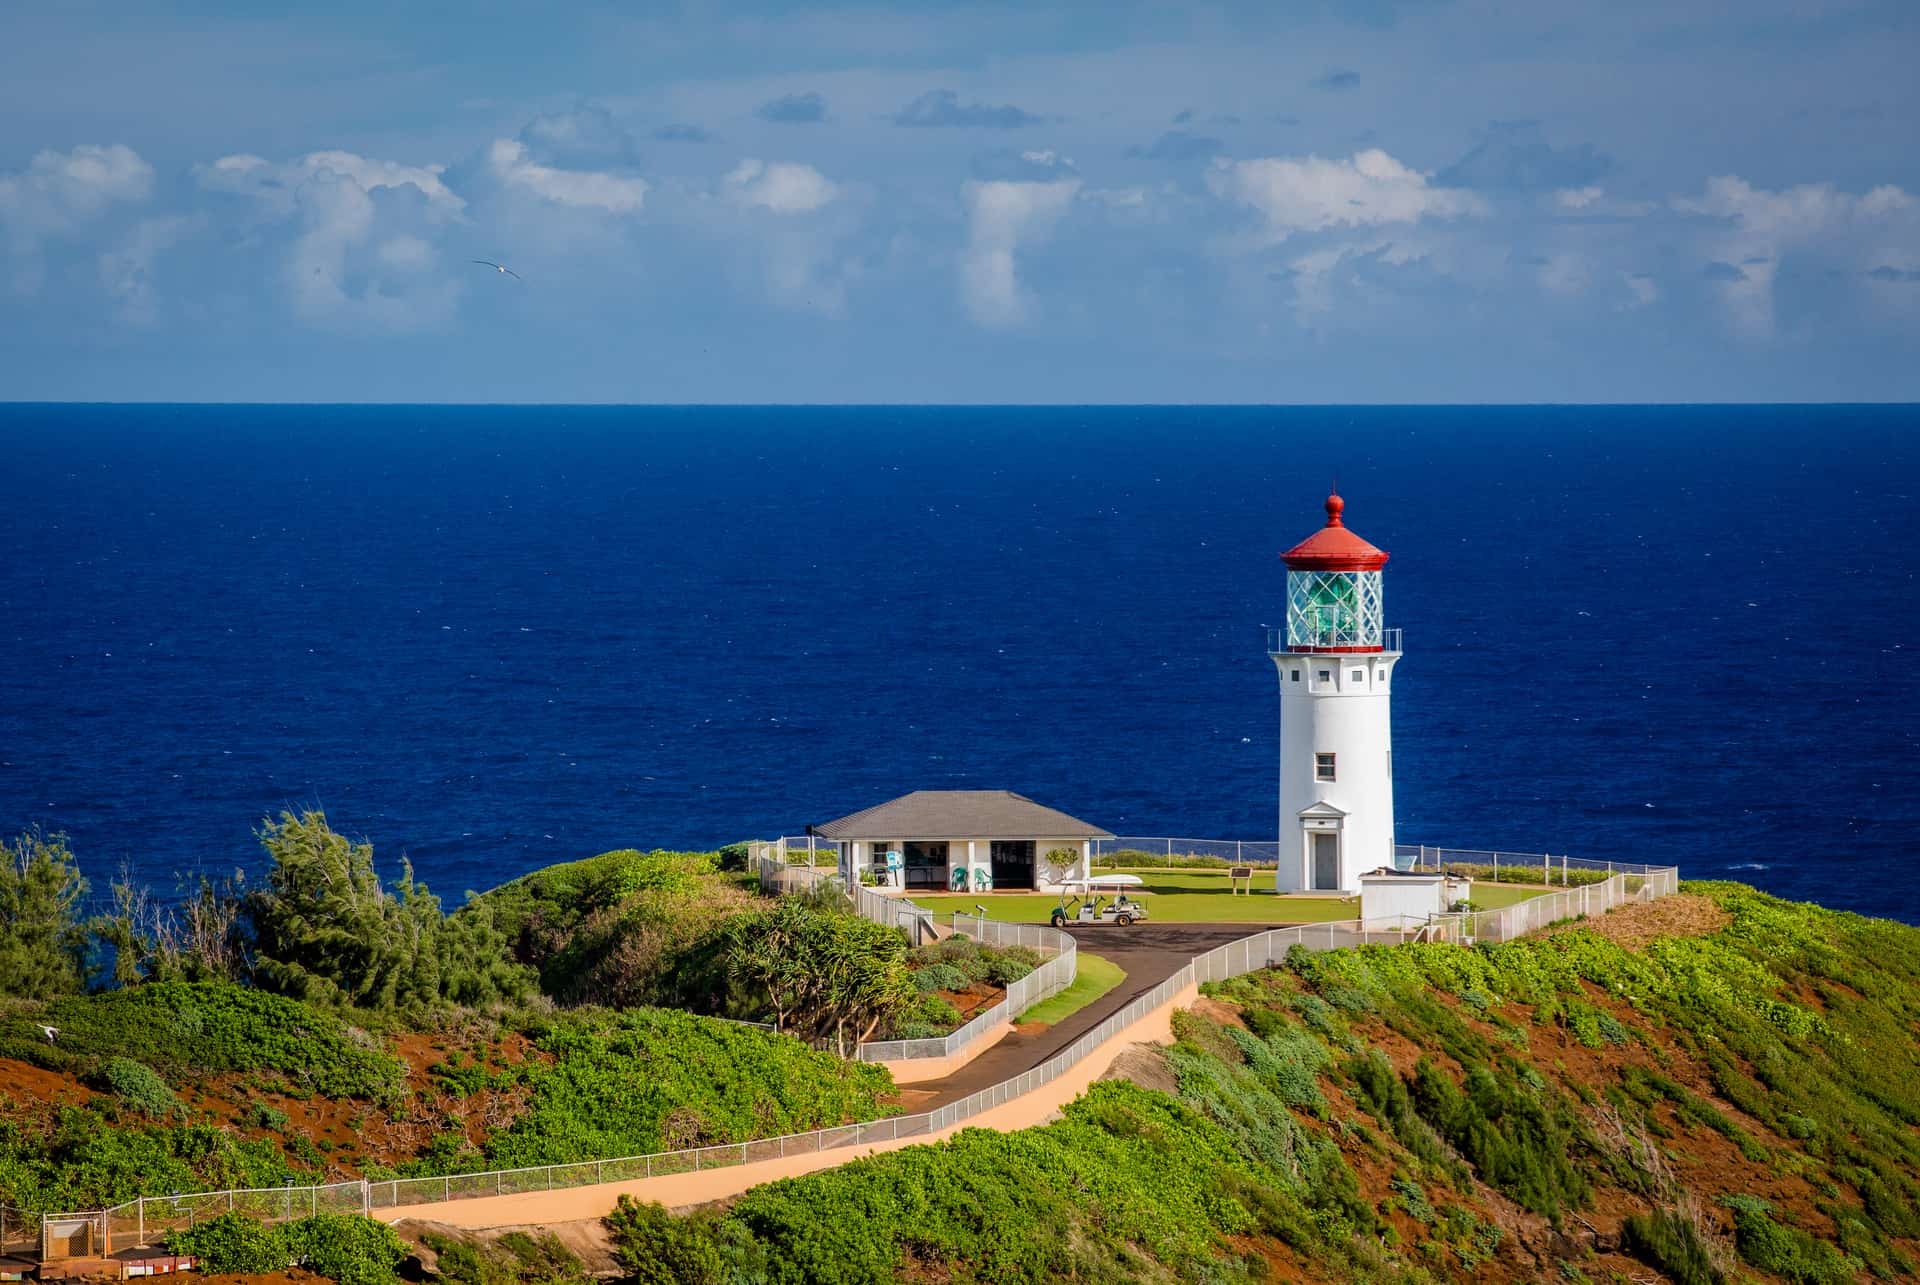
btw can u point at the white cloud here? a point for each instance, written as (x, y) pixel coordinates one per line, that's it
(585, 189)
(1001, 215)
(1577, 198)
(1566, 272)
(782, 187)
(276, 184)
(1757, 228)
(360, 254)
(58, 192)
(126, 273)
(1313, 193)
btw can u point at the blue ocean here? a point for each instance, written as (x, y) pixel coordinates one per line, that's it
(488, 639)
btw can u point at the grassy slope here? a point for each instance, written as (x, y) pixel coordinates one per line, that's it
(1093, 977)
(1742, 1100)
(258, 1087)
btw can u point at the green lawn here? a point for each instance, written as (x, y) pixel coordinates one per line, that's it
(1204, 896)
(1093, 976)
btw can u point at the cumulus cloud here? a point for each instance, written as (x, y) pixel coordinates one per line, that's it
(584, 137)
(510, 162)
(807, 108)
(783, 187)
(1756, 228)
(1312, 193)
(1577, 198)
(277, 185)
(126, 272)
(59, 192)
(1178, 145)
(1337, 80)
(360, 252)
(1003, 214)
(942, 109)
(1514, 156)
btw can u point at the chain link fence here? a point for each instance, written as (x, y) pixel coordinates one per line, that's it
(144, 1220)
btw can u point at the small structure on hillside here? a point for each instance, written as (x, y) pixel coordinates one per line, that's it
(962, 841)
(1410, 894)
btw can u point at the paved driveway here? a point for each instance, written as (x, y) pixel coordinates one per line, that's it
(1150, 953)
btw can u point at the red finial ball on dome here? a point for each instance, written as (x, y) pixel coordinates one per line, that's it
(1333, 547)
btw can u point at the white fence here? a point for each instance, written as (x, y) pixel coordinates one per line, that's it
(140, 1220)
(1054, 974)
(1241, 852)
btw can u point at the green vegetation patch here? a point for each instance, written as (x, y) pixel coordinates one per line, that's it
(184, 1027)
(1094, 976)
(623, 1084)
(346, 1248)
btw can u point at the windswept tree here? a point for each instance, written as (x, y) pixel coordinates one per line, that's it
(324, 928)
(43, 941)
(829, 977)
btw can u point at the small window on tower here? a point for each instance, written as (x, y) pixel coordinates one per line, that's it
(1359, 675)
(1326, 675)
(1323, 767)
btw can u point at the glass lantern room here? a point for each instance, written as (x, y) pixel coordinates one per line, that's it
(1334, 610)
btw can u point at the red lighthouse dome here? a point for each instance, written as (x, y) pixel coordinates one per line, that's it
(1334, 548)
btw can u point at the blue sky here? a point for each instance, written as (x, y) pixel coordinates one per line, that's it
(1377, 202)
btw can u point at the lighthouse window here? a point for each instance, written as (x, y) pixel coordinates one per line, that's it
(1323, 767)
(1326, 675)
(1296, 676)
(1359, 675)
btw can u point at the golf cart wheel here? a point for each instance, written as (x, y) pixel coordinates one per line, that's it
(1123, 920)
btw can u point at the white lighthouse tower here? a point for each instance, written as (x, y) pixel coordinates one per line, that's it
(1336, 675)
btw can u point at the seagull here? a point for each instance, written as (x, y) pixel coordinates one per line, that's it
(51, 1032)
(501, 267)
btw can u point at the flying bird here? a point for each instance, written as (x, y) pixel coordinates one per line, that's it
(51, 1032)
(501, 267)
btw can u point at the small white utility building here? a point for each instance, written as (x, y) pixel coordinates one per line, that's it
(1412, 896)
(962, 841)
(1335, 660)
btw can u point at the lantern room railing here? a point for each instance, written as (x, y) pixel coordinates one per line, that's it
(1277, 645)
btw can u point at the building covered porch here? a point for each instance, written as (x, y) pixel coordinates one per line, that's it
(962, 841)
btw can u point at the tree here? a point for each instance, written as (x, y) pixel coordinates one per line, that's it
(1060, 862)
(323, 928)
(43, 943)
(828, 976)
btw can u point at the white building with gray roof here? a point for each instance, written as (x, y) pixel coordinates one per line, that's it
(962, 841)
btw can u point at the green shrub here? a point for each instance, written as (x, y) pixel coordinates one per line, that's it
(232, 1243)
(1670, 1242)
(183, 1027)
(656, 1248)
(261, 1116)
(938, 977)
(1007, 967)
(347, 1248)
(514, 1259)
(138, 1087)
(1786, 1251)
(621, 1084)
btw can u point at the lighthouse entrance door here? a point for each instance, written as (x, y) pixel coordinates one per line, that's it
(1326, 860)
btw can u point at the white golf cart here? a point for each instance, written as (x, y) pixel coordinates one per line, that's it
(1084, 901)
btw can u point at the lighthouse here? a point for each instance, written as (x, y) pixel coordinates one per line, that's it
(1335, 659)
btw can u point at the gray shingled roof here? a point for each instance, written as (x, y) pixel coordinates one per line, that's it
(960, 814)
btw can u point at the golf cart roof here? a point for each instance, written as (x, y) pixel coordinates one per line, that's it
(1105, 881)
